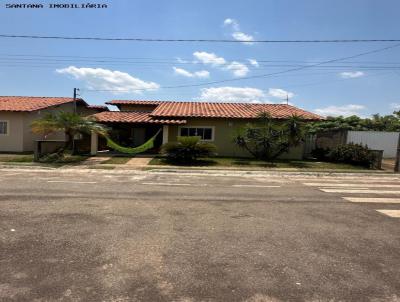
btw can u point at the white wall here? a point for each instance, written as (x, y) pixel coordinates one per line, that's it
(376, 140)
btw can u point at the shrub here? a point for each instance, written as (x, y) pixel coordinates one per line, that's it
(354, 154)
(320, 153)
(187, 149)
(267, 139)
(52, 157)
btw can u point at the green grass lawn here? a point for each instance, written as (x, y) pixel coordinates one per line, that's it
(117, 160)
(253, 163)
(16, 158)
(68, 159)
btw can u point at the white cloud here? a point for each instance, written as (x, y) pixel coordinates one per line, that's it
(209, 58)
(351, 74)
(238, 69)
(345, 110)
(232, 22)
(253, 62)
(105, 79)
(232, 94)
(180, 60)
(188, 74)
(202, 74)
(280, 93)
(237, 34)
(395, 106)
(240, 36)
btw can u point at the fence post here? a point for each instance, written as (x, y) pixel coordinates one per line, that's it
(397, 164)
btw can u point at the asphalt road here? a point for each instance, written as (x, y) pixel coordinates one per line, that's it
(90, 235)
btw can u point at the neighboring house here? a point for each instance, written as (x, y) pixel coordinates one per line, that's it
(18, 112)
(137, 121)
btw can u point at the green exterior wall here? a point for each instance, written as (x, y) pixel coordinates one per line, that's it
(223, 135)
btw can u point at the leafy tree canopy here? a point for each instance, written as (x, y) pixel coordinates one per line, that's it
(67, 122)
(375, 123)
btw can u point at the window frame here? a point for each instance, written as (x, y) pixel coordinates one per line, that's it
(203, 140)
(8, 127)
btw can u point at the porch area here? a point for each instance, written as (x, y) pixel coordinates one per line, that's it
(131, 129)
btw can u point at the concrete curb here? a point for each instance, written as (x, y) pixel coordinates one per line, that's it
(121, 169)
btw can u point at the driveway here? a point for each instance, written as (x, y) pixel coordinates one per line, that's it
(220, 236)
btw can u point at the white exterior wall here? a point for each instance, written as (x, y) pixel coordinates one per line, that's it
(376, 140)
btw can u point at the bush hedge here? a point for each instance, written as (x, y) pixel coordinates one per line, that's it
(187, 149)
(355, 154)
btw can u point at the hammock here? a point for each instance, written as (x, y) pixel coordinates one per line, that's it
(127, 150)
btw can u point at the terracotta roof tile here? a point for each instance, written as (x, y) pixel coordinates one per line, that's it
(30, 103)
(219, 110)
(132, 117)
(133, 102)
(229, 110)
(98, 107)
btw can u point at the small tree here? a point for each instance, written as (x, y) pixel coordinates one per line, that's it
(188, 149)
(69, 123)
(267, 139)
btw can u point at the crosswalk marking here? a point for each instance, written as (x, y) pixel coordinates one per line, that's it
(388, 190)
(348, 180)
(391, 213)
(372, 199)
(320, 184)
(359, 191)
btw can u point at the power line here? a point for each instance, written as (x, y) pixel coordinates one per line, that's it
(50, 63)
(269, 74)
(196, 40)
(150, 60)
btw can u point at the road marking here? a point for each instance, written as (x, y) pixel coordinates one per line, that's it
(73, 182)
(320, 184)
(391, 213)
(10, 174)
(359, 191)
(255, 186)
(333, 180)
(166, 184)
(372, 200)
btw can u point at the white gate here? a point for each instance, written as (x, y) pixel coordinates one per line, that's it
(376, 140)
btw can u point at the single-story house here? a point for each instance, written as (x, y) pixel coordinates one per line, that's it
(137, 121)
(18, 112)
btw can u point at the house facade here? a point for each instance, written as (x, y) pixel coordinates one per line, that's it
(137, 121)
(18, 112)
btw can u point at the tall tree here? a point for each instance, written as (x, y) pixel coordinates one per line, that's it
(69, 123)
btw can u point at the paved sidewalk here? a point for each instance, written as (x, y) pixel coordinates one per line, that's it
(388, 164)
(139, 161)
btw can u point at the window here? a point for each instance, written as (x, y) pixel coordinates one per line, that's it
(206, 133)
(3, 127)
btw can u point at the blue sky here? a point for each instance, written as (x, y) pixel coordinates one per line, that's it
(365, 85)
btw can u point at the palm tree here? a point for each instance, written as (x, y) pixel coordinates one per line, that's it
(69, 123)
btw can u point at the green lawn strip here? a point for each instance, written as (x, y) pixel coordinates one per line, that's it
(117, 160)
(253, 163)
(16, 159)
(102, 167)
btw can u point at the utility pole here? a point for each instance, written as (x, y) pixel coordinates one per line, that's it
(75, 111)
(397, 164)
(287, 99)
(75, 95)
